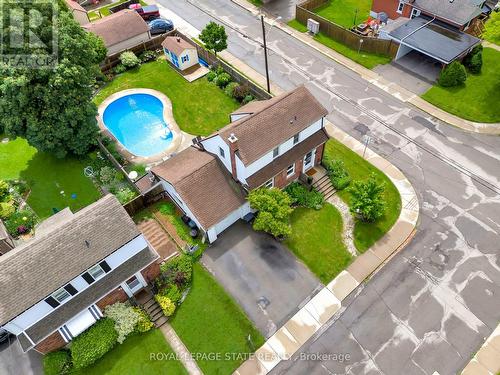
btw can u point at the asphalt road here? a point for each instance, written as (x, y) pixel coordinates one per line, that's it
(433, 305)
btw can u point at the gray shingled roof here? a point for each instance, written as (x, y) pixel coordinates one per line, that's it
(274, 123)
(32, 271)
(457, 11)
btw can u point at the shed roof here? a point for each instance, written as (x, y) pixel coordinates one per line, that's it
(176, 44)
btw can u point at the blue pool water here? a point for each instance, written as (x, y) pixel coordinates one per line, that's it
(137, 122)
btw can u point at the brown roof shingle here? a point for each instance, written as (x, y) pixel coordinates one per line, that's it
(73, 5)
(289, 157)
(118, 27)
(33, 270)
(176, 44)
(274, 123)
(203, 184)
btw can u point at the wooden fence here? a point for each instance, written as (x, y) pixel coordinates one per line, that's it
(303, 12)
(142, 201)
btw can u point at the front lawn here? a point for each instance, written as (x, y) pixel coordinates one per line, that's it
(368, 60)
(133, 357)
(478, 99)
(366, 234)
(52, 181)
(200, 107)
(211, 324)
(343, 12)
(316, 239)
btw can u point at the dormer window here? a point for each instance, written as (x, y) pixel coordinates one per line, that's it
(296, 138)
(276, 152)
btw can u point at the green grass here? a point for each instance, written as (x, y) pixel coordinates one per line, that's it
(200, 107)
(209, 321)
(47, 176)
(476, 100)
(133, 358)
(105, 10)
(366, 234)
(343, 12)
(368, 60)
(316, 239)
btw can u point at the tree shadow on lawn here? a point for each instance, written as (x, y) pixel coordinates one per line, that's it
(58, 183)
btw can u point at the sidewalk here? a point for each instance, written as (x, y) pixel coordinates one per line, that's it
(180, 350)
(379, 81)
(487, 359)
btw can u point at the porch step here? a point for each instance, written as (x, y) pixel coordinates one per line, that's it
(161, 321)
(325, 187)
(157, 315)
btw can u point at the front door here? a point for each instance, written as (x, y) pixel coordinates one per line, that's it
(134, 284)
(309, 160)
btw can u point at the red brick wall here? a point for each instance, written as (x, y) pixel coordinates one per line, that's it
(151, 272)
(117, 295)
(53, 342)
(281, 181)
(319, 154)
(390, 7)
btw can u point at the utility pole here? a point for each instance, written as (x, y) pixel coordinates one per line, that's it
(265, 52)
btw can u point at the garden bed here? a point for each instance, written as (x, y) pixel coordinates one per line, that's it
(366, 234)
(210, 322)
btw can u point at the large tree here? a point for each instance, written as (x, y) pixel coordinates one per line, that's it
(367, 199)
(214, 37)
(51, 106)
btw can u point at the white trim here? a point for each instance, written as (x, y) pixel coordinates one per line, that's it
(290, 174)
(313, 161)
(401, 5)
(265, 184)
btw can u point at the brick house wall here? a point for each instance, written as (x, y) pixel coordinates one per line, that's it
(53, 342)
(319, 154)
(390, 7)
(116, 295)
(151, 272)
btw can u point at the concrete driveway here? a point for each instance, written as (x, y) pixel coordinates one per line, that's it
(262, 275)
(14, 362)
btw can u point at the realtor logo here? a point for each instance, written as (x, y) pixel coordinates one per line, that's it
(28, 34)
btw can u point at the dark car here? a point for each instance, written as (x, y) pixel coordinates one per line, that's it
(160, 26)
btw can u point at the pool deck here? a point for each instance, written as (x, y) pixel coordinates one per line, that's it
(180, 139)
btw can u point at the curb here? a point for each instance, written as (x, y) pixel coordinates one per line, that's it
(391, 88)
(487, 359)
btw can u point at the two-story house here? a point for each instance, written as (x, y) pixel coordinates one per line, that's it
(268, 143)
(56, 285)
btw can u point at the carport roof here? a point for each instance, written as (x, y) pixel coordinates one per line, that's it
(434, 39)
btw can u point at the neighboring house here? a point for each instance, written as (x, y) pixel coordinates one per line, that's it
(79, 13)
(120, 31)
(6, 241)
(56, 285)
(431, 27)
(179, 52)
(268, 143)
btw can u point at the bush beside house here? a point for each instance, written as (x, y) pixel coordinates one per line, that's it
(453, 75)
(302, 196)
(57, 363)
(240, 92)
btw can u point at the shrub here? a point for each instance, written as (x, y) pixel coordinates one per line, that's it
(125, 195)
(93, 343)
(222, 80)
(211, 75)
(167, 208)
(180, 265)
(120, 68)
(57, 363)
(129, 59)
(144, 324)
(229, 90)
(247, 99)
(303, 197)
(172, 292)
(167, 306)
(6, 209)
(273, 206)
(476, 63)
(453, 75)
(147, 56)
(24, 220)
(4, 190)
(367, 199)
(241, 92)
(339, 176)
(125, 319)
(107, 175)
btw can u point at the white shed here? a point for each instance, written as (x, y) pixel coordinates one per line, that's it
(179, 52)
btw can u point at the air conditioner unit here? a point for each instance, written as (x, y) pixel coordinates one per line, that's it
(312, 26)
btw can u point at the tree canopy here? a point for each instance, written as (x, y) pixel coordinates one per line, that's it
(367, 199)
(52, 106)
(273, 206)
(492, 28)
(214, 37)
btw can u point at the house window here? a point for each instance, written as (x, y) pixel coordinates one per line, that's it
(185, 58)
(401, 5)
(276, 152)
(414, 13)
(269, 184)
(167, 52)
(296, 139)
(221, 152)
(96, 272)
(290, 171)
(61, 295)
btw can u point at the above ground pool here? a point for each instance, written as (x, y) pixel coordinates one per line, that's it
(137, 122)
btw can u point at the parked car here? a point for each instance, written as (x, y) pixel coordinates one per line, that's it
(4, 335)
(148, 12)
(160, 26)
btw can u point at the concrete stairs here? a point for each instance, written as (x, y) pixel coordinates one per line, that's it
(325, 187)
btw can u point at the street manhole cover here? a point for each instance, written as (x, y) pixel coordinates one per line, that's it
(263, 302)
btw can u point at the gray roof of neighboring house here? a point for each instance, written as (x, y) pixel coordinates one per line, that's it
(203, 184)
(58, 254)
(89, 296)
(176, 44)
(434, 39)
(275, 121)
(457, 11)
(118, 27)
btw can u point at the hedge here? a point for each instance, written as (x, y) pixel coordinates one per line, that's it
(57, 363)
